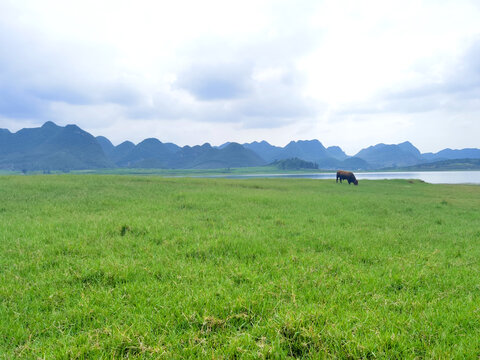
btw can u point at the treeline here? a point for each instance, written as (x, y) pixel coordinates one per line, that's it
(294, 164)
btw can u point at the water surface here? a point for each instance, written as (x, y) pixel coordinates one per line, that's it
(433, 177)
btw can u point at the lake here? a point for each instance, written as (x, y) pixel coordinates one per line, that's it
(433, 177)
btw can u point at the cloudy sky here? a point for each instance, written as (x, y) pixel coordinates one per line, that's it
(349, 73)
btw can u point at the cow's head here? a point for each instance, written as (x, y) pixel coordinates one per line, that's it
(355, 182)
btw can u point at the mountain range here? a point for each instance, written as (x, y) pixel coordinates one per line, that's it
(52, 147)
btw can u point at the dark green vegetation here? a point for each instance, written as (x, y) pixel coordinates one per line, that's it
(145, 267)
(53, 148)
(294, 164)
(446, 165)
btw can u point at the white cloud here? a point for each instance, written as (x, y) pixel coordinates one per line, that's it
(348, 73)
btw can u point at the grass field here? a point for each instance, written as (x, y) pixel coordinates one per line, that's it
(95, 266)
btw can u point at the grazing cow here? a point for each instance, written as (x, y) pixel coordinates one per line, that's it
(346, 175)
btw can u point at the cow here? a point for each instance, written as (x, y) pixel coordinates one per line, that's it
(346, 175)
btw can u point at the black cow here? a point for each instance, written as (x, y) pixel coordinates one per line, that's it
(346, 175)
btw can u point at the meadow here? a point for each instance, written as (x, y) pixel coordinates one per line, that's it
(105, 266)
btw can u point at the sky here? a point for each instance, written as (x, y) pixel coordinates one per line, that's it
(348, 73)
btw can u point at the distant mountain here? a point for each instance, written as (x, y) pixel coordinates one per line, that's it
(192, 156)
(208, 157)
(449, 154)
(266, 151)
(106, 145)
(51, 147)
(150, 153)
(408, 147)
(354, 163)
(235, 155)
(430, 157)
(223, 145)
(121, 151)
(329, 163)
(172, 147)
(336, 152)
(308, 150)
(405, 155)
(382, 155)
(374, 157)
(5, 141)
(446, 165)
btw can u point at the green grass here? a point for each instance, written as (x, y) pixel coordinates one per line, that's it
(148, 267)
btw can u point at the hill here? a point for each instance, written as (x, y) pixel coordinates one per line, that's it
(208, 157)
(266, 151)
(382, 155)
(121, 151)
(446, 165)
(354, 163)
(107, 147)
(336, 152)
(450, 154)
(308, 150)
(51, 147)
(150, 153)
